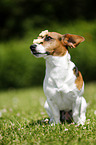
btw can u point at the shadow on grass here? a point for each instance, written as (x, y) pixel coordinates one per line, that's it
(45, 121)
(41, 122)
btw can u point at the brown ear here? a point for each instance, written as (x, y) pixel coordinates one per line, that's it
(72, 40)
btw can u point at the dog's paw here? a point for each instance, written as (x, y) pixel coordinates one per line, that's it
(81, 121)
(51, 121)
(52, 124)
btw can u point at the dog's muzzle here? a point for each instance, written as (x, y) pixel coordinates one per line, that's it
(35, 52)
(33, 48)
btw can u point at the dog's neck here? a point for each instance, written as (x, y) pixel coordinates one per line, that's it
(58, 61)
(59, 69)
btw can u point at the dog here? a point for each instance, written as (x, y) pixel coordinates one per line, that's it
(63, 84)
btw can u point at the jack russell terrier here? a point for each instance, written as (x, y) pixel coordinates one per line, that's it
(63, 84)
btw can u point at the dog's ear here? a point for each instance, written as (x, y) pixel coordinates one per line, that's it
(72, 40)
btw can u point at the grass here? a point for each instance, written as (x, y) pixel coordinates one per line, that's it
(23, 120)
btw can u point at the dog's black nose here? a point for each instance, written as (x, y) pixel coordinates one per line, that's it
(32, 47)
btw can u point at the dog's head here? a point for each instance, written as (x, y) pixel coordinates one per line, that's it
(52, 43)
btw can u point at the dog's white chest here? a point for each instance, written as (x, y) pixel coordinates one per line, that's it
(59, 83)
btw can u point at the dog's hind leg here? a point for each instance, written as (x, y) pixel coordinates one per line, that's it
(79, 110)
(83, 111)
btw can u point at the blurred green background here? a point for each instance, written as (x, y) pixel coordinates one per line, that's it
(22, 21)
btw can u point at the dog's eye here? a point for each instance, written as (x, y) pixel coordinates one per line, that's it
(47, 38)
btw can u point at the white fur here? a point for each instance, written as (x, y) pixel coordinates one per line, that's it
(61, 91)
(43, 33)
(37, 41)
(60, 88)
(40, 49)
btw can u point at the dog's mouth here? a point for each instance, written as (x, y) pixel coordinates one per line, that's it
(33, 50)
(37, 53)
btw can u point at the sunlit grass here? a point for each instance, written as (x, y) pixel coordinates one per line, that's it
(24, 120)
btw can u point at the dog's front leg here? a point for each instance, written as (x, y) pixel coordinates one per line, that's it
(52, 108)
(49, 112)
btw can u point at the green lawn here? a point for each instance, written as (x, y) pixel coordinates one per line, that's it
(23, 120)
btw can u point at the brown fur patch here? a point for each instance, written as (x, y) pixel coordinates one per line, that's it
(54, 46)
(58, 44)
(79, 80)
(72, 40)
(55, 35)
